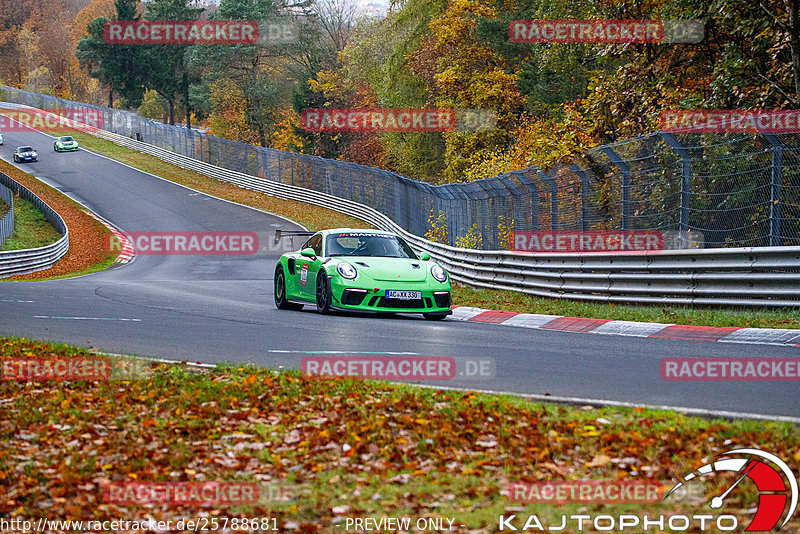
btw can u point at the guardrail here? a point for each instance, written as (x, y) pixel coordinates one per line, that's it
(15, 262)
(7, 222)
(763, 276)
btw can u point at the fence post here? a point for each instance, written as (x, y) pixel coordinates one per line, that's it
(625, 170)
(584, 195)
(685, 183)
(530, 186)
(553, 198)
(775, 190)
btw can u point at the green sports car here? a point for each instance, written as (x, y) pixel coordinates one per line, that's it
(65, 144)
(365, 270)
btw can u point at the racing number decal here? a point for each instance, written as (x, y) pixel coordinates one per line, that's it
(304, 274)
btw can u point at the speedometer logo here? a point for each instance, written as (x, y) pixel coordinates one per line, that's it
(776, 487)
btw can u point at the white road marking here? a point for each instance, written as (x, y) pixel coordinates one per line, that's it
(12, 300)
(86, 318)
(602, 402)
(341, 352)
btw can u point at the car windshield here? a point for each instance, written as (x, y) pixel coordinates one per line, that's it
(366, 244)
(25, 149)
(65, 139)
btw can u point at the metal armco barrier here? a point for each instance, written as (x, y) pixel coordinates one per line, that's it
(763, 276)
(15, 262)
(7, 222)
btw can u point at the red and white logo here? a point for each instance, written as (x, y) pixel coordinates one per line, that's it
(304, 274)
(776, 487)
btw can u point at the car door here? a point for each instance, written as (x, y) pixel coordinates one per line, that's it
(307, 268)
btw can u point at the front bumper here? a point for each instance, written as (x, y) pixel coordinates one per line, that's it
(66, 148)
(352, 297)
(26, 158)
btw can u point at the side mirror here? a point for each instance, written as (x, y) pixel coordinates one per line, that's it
(424, 256)
(308, 253)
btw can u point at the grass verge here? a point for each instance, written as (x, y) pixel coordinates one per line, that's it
(341, 448)
(522, 303)
(85, 254)
(31, 229)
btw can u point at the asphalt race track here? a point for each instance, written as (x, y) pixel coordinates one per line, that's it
(220, 308)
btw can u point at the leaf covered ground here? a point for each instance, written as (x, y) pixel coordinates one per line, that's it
(343, 448)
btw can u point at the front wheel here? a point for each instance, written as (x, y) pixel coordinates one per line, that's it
(434, 316)
(323, 293)
(280, 292)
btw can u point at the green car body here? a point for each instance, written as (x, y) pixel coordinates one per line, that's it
(65, 144)
(364, 270)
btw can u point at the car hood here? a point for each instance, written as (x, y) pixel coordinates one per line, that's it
(390, 269)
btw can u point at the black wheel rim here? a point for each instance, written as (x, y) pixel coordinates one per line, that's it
(279, 288)
(322, 295)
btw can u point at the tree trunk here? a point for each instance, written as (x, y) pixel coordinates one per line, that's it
(172, 112)
(110, 96)
(794, 40)
(262, 138)
(186, 101)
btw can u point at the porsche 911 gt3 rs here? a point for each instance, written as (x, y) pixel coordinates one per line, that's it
(65, 144)
(366, 270)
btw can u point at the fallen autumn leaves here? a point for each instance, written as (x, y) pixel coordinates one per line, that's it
(346, 447)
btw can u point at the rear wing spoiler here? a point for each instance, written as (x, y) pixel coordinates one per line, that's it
(280, 234)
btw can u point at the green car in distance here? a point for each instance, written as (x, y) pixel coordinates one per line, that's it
(364, 270)
(65, 144)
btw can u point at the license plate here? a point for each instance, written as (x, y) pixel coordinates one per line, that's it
(403, 295)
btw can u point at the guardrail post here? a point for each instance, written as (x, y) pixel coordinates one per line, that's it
(775, 190)
(625, 170)
(534, 191)
(584, 195)
(685, 183)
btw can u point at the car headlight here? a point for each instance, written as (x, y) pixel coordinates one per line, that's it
(33, 154)
(346, 270)
(439, 273)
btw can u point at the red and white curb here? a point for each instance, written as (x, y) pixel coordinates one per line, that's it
(126, 249)
(724, 334)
